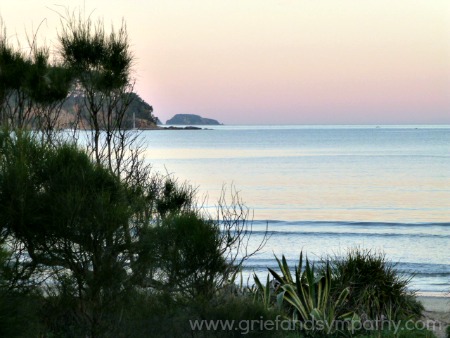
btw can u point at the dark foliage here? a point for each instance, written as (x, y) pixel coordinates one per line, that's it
(376, 288)
(189, 253)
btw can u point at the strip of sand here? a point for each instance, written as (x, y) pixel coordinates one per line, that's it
(437, 310)
(435, 304)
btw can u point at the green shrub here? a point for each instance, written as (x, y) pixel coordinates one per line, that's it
(90, 239)
(187, 248)
(20, 314)
(308, 292)
(403, 332)
(376, 288)
(243, 311)
(20, 308)
(158, 315)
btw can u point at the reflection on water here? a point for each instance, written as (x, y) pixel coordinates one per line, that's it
(397, 176)
(421, 249)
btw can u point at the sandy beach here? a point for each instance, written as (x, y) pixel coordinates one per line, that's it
(437, 309)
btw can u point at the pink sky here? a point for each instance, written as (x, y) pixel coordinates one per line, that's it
(278, 61)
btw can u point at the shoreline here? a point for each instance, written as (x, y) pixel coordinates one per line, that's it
(436, 315)
(435, 303)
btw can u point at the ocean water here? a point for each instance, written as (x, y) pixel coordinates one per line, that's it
(325, 189)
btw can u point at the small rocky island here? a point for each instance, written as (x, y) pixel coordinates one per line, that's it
(191, 119)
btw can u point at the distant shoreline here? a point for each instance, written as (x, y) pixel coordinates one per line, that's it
(148, 128)
(180, 128)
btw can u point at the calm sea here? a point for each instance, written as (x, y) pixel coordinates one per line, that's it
(324, 189)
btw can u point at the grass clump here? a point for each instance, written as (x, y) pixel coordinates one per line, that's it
(377, 289)
(309, 293)
(356, 291)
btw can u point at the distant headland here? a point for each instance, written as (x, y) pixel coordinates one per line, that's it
(191, 119)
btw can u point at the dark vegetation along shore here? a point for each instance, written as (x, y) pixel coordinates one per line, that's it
(93, 244)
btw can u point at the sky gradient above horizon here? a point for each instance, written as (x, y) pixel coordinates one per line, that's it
(277, 61)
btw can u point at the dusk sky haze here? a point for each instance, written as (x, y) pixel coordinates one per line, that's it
(276, 61)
